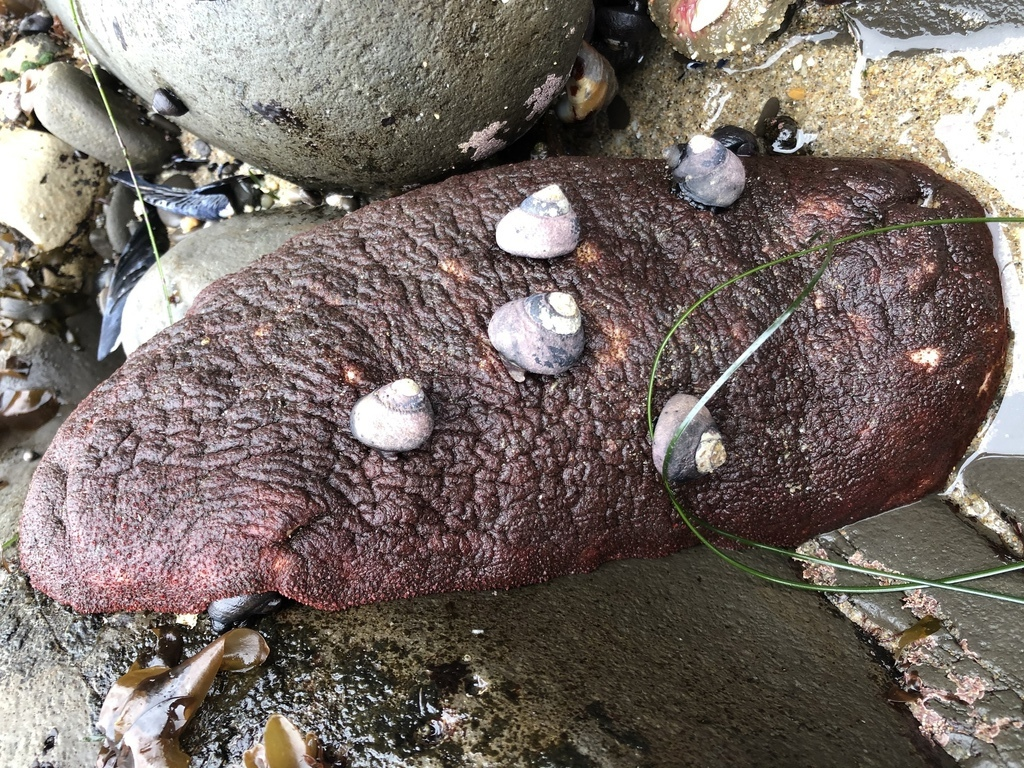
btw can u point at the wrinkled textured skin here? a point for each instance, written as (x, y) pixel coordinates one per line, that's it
(218, 461)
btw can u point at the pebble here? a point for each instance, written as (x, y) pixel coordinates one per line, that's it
(119, 212)
(204, 256)
(69, 105)
(48, 191)
(27, 53)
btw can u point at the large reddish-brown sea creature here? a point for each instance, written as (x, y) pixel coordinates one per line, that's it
(218, 460)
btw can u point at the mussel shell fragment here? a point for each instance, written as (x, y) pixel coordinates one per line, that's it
(166, 102)
(622, 34)
(394, 418)
(544, 226)
(229, 612)
(738, 140)
(542, 333)
(705, 172)
(697, 452)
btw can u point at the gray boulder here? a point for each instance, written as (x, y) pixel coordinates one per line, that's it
(68, 103)
(353, 94)
(201, 258)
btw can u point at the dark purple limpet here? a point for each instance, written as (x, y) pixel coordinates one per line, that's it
(698, 451)
(706, 172)
(542, 333)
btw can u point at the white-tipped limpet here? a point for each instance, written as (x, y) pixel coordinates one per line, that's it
(706, 172)
(394, 418)
(542, 333)
(542, 227)
(699, 449)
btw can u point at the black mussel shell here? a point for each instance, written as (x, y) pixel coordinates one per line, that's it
(35, 24)
(739, 140)
(167, 103)
(229, 612)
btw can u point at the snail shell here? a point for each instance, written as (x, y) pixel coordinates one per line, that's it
(542, 333)
(394, 418)
(706, 172)
(738, 140)
(591, 86)
(699, 449)
(542, 227)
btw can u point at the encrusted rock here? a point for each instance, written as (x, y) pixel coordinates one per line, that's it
(217, 461)
(707, 30)
(28, 53)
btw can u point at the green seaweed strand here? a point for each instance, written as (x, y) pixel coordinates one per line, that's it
(128, 163)
(694, 523)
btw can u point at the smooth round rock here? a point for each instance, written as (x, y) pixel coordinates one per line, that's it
(346, 94)
(47, 191)
(69, 105)
(201, 258)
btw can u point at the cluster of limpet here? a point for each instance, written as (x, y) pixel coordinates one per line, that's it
(543, 333)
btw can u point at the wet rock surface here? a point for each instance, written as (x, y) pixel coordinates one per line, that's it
(644, 663)
(244, 426)
(919, 25)
(964, 673)
(347, 93)
(203, 257)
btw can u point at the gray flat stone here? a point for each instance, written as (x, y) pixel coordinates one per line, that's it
(1000, 480)
(68, 103)
(47, 192)
(344, 94)
(975, 653)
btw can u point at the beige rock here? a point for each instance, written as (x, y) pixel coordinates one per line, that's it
(27, 53)
(48, 191)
